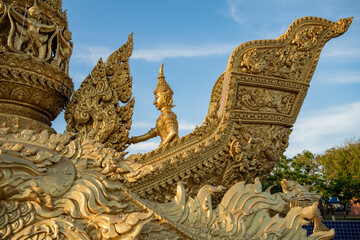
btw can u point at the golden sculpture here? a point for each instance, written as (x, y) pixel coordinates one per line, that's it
(94, 111)
(166, 125)
(301, 197)
(36, 42)
(36, 50)
(206, 185)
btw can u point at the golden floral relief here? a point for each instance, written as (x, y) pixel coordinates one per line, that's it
(257, 99)
(290, 56)
(36, 48)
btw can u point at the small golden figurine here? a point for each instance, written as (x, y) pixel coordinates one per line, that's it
(166, 125)
(35, 34)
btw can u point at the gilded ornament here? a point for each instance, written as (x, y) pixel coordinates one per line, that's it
(36, 48)
(243, 213)
(94, 111)
(166, 125)
(205, 185)
(300, 196)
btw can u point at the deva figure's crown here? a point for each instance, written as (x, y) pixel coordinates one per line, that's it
(162, 85)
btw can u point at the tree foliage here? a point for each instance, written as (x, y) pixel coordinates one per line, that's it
(303, 168)
(341, 169)
(341, 161)
(336, 173)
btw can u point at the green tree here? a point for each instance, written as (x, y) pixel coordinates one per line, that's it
(341, 168)
(303, 168)
(341, 161)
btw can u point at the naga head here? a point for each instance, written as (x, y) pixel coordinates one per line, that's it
(163, 92)
(293, 187)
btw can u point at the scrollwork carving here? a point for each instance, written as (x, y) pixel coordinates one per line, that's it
(158, 230)
(57, 228)
(290, 55)
(63, 177)
(254, 153)
(256, 99)
(94, 111)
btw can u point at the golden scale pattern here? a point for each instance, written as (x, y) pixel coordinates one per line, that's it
(206, 185)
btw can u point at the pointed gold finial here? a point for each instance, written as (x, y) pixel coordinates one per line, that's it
(161, 71)
(162, 85)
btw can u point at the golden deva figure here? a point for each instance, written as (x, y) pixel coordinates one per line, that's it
(166, 125)
(30, 35)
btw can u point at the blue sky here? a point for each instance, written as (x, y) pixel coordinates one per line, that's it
(195, 39)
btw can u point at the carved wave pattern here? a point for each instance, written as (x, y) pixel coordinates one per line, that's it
(243, 213)
(41, 193)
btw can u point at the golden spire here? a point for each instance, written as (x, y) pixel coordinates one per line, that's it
(161, 71)
(162, 85)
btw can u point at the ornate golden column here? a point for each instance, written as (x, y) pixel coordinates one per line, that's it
(35, 48)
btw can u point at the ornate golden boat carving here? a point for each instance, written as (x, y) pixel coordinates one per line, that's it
(253, 106)
(206, 185)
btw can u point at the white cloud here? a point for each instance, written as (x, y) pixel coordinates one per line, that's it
(343, 51)
(346, 77)
(143, 146)
(77, 78)
(339, 77)
(183, 125)
(90, 55)
(182, 51)
(318, 131)
(233, 6)
(142, 124)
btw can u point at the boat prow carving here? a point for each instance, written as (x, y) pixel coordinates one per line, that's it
(253, 106)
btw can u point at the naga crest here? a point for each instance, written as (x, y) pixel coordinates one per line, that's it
(94, 111)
